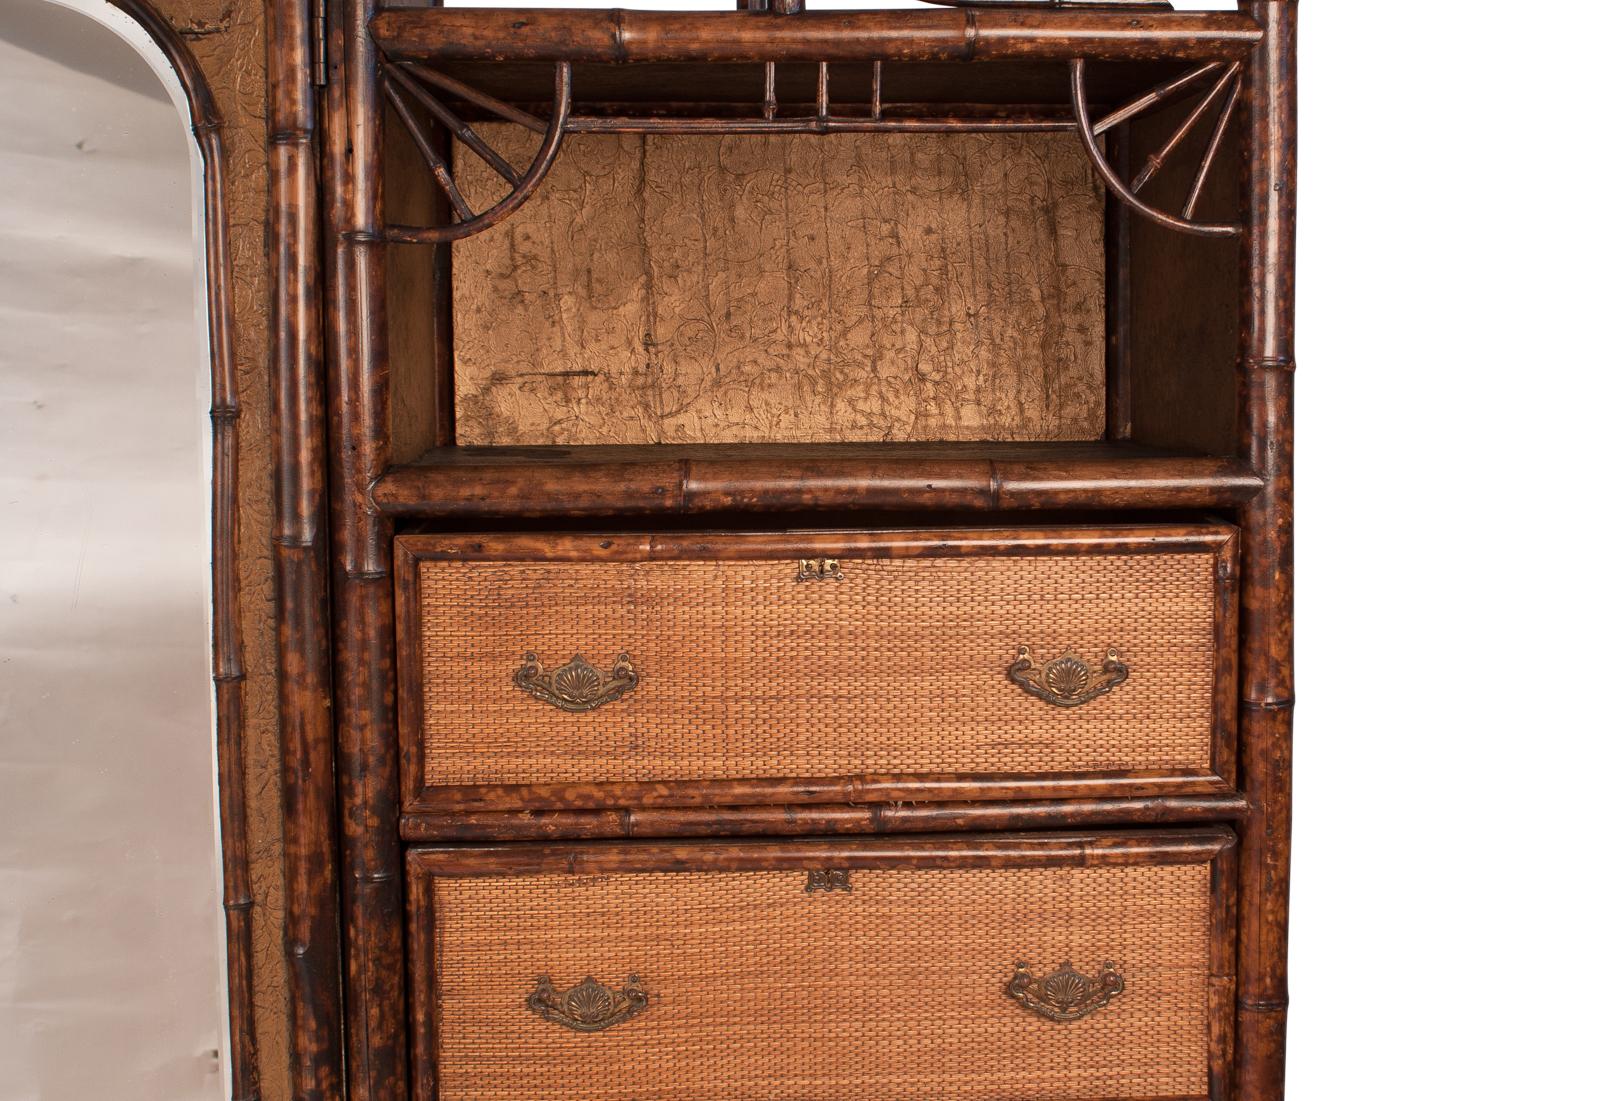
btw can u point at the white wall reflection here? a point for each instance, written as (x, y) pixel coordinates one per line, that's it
(109, 920)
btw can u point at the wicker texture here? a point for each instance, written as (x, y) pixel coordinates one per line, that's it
(760, 990)
(900, 666)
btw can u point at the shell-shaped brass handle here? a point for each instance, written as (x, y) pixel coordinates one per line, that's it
(1067, 681)
(1065, 994)
(577, 685)
(590, 1006)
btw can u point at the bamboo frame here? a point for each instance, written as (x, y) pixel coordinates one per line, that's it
(991, 34)
(368, 492)
(468, 483)
(311, 935)
(228, 672)
(826, 819)
(363, 684)
(1266, 354)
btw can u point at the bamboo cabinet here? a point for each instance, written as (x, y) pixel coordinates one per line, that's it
(804, 502)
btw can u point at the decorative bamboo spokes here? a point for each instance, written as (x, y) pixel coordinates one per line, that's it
(1219, 102)
(413, 91)
(407, 88)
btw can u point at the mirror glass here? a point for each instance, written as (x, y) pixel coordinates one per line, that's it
(110, 932)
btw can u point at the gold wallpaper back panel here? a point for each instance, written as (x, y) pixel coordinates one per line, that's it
(785, 288)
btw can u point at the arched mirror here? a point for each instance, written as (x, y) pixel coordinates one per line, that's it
(117, 665)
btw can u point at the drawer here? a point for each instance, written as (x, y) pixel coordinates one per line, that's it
(984, 967)
(566, 670)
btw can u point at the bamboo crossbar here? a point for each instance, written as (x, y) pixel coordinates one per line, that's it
(833, 124)
(462, 483)
(592, 35)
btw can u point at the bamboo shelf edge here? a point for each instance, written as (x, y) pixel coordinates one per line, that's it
(944, 34)
(467, 483)
(794, 820)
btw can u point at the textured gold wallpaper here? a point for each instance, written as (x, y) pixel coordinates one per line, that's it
(785, 288)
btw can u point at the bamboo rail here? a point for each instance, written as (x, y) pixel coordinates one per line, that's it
(590, 35)
(1267, 605)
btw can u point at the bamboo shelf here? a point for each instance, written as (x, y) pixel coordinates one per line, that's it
(466, 482)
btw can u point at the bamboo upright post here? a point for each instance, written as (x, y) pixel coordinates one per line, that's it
(310, 813)
(1266, 673)
(363, 600)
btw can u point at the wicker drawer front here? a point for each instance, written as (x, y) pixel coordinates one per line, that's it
(824, 972)
(897, 661)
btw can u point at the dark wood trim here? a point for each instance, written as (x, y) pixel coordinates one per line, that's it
(228, 670)
(475, 483)
(312, 948)
(512, 35)
(1267, 610)
(444, 336)
(1221, 981)
(468, 799)
(1119, 296)
(825, 819)
(423, 975)
(1119, 848)
(358, 424)
(1225, 706)
(1205, 538)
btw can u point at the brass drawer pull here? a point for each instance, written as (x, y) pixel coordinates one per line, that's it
(1065, 995)
(590, 1006)
(1067, 681)
(577, 685)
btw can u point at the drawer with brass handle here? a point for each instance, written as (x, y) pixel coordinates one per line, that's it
(985, 967)
(566, 671)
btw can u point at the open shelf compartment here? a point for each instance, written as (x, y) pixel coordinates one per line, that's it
(832, 260)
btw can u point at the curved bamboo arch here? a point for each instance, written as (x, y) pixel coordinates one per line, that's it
(1088, 130)
(227, 639)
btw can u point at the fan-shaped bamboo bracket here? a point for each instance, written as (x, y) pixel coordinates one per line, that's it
(414, 81)
(417, 93)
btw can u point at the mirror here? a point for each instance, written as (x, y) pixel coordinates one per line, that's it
(111, 943)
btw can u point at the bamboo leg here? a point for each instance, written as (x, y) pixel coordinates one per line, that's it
(1267, 680)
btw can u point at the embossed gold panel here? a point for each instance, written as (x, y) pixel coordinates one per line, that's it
(781, 288)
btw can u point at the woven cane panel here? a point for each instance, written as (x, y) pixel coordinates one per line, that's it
(784, 288)
(759, 990)
(900, 666)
